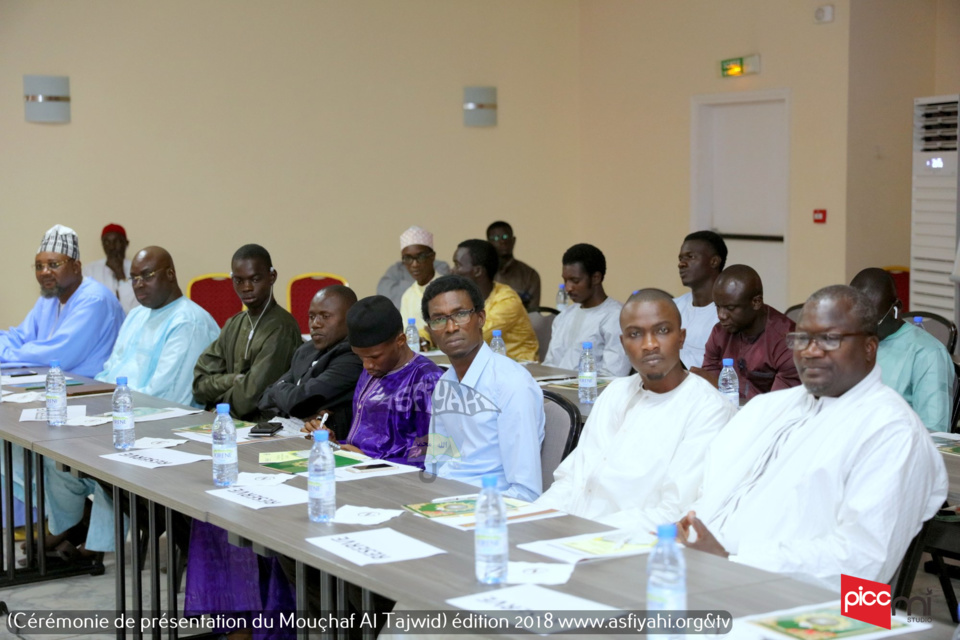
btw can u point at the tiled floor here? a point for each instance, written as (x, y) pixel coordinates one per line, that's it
(87, 593)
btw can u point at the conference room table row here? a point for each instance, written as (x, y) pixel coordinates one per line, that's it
(420, 585)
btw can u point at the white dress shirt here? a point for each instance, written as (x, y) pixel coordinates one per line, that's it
(123, 289)
(599, 325)
(698, 322)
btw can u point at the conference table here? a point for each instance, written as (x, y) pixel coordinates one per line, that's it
(426, 584)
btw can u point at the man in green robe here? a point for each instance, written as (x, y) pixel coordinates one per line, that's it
(254, 347)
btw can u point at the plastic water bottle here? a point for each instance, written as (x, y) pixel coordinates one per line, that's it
(56, 396)
(587, 377)
(321, 482)
(666, 575)
(918, 322)
(497, 343)
(224, 448)
(123, 434)
(729, 383)
(490, 540)
(562, 298)
(413, 336)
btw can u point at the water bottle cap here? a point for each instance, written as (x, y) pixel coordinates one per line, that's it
(497, 333)
(489, 481)
(728, 362)
(917, 319)
(223, 407)
(562, 286)
(122, 381)
(667, 531)
(588, 345)
(55, 363)
(321, 435)
(411, 321)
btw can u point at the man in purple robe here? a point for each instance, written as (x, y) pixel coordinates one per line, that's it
(391, 404)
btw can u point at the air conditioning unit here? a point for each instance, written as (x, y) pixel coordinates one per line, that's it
(934, 267)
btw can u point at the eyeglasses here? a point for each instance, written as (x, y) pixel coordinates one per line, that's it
(421, 258)
(459, 318)
(143, 277)
(53, 266)
(498, 238)
(827, 341)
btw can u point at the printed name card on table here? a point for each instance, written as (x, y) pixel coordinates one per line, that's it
(352, 514)
(526, 597)
(40, 415)
(153, 458)
(258, 497)
(376, 546)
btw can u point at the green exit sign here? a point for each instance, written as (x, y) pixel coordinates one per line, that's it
(734, 67)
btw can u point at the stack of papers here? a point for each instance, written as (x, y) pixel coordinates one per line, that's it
(594, 546)
(822, 621)
(458, 511)
(204, 432)
(947, 442)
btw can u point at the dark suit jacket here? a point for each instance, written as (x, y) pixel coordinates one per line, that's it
(317, 381)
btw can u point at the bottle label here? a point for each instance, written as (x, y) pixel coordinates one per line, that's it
(587, 379)
(224, 455)
(666, 599)
(320, 488)
(122, 420)
(56, 401)
(490, 541)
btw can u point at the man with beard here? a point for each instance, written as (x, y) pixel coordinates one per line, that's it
(113, 272)
(590, 317)
(75, 320)
(640, 458)
(832, 477)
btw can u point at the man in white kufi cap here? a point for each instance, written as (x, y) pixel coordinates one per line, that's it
(417, 255)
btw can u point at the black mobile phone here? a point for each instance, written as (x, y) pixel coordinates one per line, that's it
(22, 373)
(265, 429)
(362, 468)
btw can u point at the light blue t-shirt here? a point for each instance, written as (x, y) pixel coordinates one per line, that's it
(157, 349)
(917, 366)
(491, 422)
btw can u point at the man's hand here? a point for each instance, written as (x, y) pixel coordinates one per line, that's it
(116, 265)
(694, 534)
(311, 425)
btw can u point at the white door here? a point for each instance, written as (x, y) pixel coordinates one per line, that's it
(739, 181)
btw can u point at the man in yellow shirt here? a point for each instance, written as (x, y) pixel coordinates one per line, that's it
(478, 261)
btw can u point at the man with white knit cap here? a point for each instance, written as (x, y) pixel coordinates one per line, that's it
(75, 320)
(417, 255)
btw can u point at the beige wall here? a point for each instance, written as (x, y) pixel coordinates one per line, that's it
(320, 129)
(892, 51)
(641, 64)
(947, 73)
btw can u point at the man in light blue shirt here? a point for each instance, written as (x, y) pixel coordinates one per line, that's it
(912, 362)
(487, 410)
(158, 345)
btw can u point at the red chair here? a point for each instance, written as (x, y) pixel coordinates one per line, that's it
(301, 290)
(214, 292)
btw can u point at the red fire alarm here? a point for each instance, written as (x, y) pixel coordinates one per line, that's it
(820, 216)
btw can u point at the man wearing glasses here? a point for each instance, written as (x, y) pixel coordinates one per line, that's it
(417, 255)
(751, 333)
(517, 275)
(487, 410)
(912, 362)
(833, 477)
(75, 320)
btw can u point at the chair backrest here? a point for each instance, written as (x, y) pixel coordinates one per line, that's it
(901, 584)
(301, 290)
(214, 292)
(955, 413)
(939, 327)
(794, 312)
(543, 327)
(561, 432)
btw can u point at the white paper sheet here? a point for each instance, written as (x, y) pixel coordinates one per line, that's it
(243, 436)
(40, 415)
(153, 458)
(594, 546)
(157, 443)
(247, 479)
(746, 628)
(375, 546)
(88, 421)
(526, 513)
(167, 413)
(352, 514)
(539, 572)
(40, 378)
(526, 597)
(280, 495)
(357, 472)
(25, 397)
